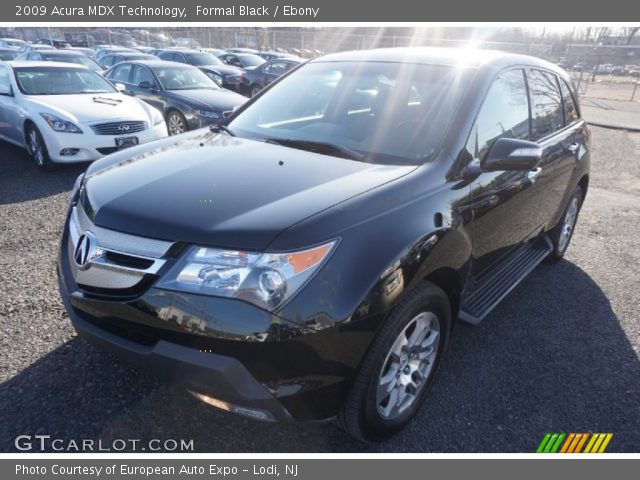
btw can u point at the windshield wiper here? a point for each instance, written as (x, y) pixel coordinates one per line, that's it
(218, 127)
(318, 147)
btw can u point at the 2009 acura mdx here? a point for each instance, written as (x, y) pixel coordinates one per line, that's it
(309, 257)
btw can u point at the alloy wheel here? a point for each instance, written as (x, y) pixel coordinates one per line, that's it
(36, 147)
(408, 365)
(568, 225)
(176, 124)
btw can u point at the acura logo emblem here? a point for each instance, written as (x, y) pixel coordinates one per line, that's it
(85, 250)
(123, 128)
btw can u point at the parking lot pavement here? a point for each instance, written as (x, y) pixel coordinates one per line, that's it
(612, 113)
(560, 354)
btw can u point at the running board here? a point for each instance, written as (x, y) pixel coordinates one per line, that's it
(491, 286)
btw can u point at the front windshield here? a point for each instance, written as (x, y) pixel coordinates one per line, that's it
(183, 78)
(250, 60)
(60, 81)
(203, 59)
(79, 59)
(387, 112)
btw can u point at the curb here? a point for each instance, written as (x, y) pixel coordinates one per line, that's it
(614, 127)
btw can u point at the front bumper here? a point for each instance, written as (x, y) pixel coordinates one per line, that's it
(89, 145)
(226, 349)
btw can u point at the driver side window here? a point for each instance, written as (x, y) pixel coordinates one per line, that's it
(5, 81)
(504, 113)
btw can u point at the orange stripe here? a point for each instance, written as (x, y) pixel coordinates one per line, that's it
(590, 444)
(567, 442)
(581, 444)
(575, 442)
(607, 439)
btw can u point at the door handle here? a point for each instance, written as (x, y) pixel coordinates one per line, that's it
(573, 148)
(532, 175)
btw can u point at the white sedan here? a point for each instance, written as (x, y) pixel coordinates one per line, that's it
(63, 113)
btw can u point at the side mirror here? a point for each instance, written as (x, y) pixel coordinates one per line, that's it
(145, 84)
(120, 87)
(512, 154)
(6, 90)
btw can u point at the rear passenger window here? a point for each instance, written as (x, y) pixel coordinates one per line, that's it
(504, 114)
(570, 110)
(546, 103)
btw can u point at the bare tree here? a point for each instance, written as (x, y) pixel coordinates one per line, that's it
(629, 33)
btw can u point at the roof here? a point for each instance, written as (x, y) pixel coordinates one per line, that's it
(469, 57)
(158, 63)
(26, 63)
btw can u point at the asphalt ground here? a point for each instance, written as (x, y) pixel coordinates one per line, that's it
(559, 354)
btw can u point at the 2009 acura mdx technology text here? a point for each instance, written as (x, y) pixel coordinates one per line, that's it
(309, 257)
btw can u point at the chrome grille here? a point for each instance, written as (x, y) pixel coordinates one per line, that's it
(125, 259)
(119, 128)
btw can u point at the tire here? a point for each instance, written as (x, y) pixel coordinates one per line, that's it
(255, 90)
(562, 233)
(370, 415)
(176, 123)
(38, 149)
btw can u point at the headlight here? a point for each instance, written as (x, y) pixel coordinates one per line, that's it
(60, 125)
(206, 114)
(266, 280)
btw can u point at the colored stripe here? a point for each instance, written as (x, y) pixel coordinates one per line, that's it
(574, 443)
(550, 443)
(567, 443)
(556, 446)
(596, 445)
(590, 444)
(582, 442)
(607, 439)
(544, 441)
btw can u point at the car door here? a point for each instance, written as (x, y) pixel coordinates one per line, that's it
(505, 205)
(561, 137)
(122, 74)
(10, 121)
(272, 71)
(141, 77)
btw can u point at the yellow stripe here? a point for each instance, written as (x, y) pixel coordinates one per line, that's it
(607, 439)
(567, 442)
(575, 442)
(590, 444)
(596, 445)
(584, 439)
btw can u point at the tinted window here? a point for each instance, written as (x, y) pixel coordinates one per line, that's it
(121, 73)
(504, 113)
(166, 56)
(570, 110)
(5, 81)
(277, 68)
(203, 59)
(142, 74)
(546, 103)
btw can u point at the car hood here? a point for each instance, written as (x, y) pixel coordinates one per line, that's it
(218, 100)
(88, 108)
(213, 189)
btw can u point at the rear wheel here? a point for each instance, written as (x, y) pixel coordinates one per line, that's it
(563, 232)
(255, 90)
(38, 149)
(399, 368)
(176, 123)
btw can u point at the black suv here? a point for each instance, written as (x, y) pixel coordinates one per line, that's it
(309, 257)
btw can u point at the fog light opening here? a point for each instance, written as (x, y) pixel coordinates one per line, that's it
(254, 413)
(69, 152)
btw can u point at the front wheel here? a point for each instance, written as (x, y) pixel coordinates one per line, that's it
(562, 233)
(255, 90)
(399, 368)
(38, 149)
(176, 123)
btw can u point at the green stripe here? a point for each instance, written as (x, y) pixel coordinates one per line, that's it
(550, 443)
(558, 443)
(543, 443)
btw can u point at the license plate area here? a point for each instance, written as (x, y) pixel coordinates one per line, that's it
(126, 142)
